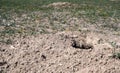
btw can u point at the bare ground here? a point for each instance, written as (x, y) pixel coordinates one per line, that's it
(54, 53)
(89, 50)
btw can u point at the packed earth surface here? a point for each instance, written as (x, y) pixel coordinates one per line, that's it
(60, 43)
(55, 53)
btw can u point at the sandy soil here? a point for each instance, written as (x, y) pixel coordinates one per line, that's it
(55, 53)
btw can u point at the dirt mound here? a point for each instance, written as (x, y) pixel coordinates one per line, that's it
(61, 5)
(54, 53)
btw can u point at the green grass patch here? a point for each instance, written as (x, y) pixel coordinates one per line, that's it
(87, 9)
(116, 55)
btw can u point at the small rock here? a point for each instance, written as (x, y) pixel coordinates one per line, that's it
(43, 56)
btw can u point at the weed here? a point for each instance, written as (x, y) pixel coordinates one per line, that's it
(113, 44)
(8, 31)
(116, 55)
(8, 41)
